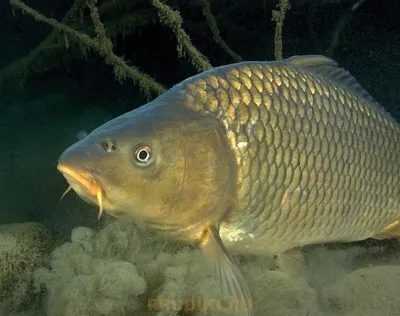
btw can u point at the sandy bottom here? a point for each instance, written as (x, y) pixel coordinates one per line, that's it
(351, 280)
(121, 271)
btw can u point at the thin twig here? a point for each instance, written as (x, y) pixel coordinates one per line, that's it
(102, 46)
(173, 20)
(212, 23)
(279, 16)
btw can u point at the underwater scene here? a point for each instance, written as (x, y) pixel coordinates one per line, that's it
(199, 157)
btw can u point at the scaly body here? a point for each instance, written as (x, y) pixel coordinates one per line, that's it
(317, 159)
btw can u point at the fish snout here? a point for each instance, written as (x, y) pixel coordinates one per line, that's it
(74, 165)
(84, 184)
(80, 178)
(82, 162)
(82, 152)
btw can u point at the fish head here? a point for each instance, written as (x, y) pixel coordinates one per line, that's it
(161, 163)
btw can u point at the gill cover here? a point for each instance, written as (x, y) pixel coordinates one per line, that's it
(195, 179)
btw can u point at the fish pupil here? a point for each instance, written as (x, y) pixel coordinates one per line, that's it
(143, 155)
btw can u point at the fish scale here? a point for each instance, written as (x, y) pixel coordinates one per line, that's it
(331, 152)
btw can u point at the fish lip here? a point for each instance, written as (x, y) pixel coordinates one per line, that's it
(82, 178)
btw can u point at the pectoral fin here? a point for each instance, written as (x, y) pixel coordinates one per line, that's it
(235, 292)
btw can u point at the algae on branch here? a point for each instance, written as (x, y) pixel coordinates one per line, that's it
(78, 34)
(50, 53)
(173, 20)
(100, 44)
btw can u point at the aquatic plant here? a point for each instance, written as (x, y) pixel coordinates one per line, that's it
(76, 35)
(92, 27)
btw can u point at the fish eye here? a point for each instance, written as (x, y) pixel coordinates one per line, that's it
(108, 146)
(143, 154)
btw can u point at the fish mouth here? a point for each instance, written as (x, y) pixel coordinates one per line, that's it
(84, 184)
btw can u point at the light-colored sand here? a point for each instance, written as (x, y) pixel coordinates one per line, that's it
(23, 248)
(120, 271)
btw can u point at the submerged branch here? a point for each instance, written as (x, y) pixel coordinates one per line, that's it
(101, 44)
(173, 20)
(279, 17)
(212, 23)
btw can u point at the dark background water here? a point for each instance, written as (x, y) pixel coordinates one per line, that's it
(63, 93)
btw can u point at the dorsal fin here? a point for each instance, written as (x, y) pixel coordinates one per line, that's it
(329, 69)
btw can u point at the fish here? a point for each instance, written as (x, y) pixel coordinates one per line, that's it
(251, 158)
